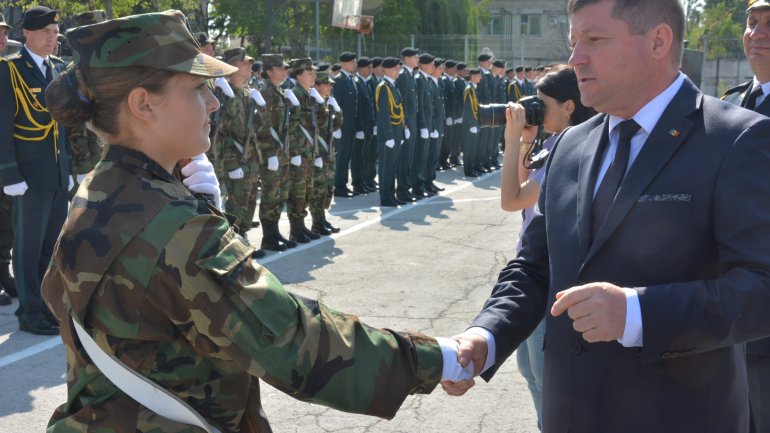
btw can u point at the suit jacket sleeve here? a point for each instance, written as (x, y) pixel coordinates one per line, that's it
(384, 128)
(469, 121)
(9, 170)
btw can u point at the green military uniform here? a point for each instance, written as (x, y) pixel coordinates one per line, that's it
(162, 281)
(390, 133)
(323, 177)
(214, 154)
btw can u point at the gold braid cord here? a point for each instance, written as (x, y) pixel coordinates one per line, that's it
(27, 101)
(471, 92)
(516, 91)
(396, 110)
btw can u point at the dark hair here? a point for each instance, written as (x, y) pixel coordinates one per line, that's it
(642, 15)
(562, 85)
(84, 94)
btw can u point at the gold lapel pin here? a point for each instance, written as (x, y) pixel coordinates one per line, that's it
(674, 133)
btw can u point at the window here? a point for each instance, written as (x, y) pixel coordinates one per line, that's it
(530, 25)
(494, 27)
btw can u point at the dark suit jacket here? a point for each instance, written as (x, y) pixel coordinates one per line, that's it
(486, 88)
(439, 114)
(408, 88)
(424, 103)
(689, 230)
(386, 130)
(43, 164)
(346, 94)
(365, 106)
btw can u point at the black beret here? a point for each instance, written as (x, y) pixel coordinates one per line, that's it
(202, 38)
(540, 68)
(364, 62)
(519, 69)
(528, 69)
(426, 58)
(39, 17)
(450, 63)
(376, 61)
(347, 56)
(509, 70)
(409, 52)
(439, 61)
(389, 62)
(256, 67)
(461, 66)
(484, 57)
(336, 67)
(474, 71)
(498, 64)
(323, 67)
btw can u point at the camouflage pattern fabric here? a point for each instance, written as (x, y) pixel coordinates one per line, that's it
(85, 148)
(6, 228)
(323, 178)
(162, 280)
(301, 178)
(242, 195)
(275, 184)
(214, 154)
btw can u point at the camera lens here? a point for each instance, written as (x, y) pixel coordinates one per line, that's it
(492, 115)
(534, 109)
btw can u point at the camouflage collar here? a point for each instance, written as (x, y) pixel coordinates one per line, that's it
(124, 155)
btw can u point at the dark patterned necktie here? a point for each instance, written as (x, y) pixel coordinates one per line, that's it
(751, 101)
(48, 71)
(605, 195)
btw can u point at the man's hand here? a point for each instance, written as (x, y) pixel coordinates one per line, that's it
(473, 348)
(598, 310)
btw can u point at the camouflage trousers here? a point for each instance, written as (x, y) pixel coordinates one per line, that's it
(323, 187)
(242, 195)
(275, 191)
(6, 228)
(300, 188)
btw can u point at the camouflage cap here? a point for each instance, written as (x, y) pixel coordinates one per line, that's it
(757, 4)
(272, 60)
(303, 64)
(159, 40)
(236, 55)
(90, 17)
(3, 23)
(323, 78)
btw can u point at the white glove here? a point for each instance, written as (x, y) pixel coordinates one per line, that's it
(337, 134)
(434, 134)
(390, 143)
(272, 163)
(374, 131)
(70, 183)
(407, 134)
(474, 130)
(334, 104)
(225, 86)
(288, 94)
(257, 97)
(201, 178)
(296, 161)
(424, 133)
(236, 174)
(317, 96)
(81, 177)
(458, 121)
(318, 162)
(16, 189)
(448, 121)
(360, 135)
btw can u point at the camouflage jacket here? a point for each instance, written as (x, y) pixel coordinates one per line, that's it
(86, 150)
(276, 115)
(328, 121)
(304, 116)
(163, 282)
(237, 149)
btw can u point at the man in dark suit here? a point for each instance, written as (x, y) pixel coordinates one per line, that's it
(752, 95)
(649, 247)
(408, 89)
(517, 86)
(439, 125)
(485, 90)
(449, 111)
(390, 130)
(346, 94)
(458, 87)
(372, 82)
(34, 163)
(425, 125)
(7, 284)
(364, 154)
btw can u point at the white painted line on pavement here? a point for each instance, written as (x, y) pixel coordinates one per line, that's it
(55, 341)
(464, 200)
(30, 351)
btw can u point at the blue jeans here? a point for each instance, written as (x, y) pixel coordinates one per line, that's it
(529, 357)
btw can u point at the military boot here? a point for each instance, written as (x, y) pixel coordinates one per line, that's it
(270, 241)
(328, 225)
(6, 280)
(319, 227)
(288, 242)
(297, 231)
(310, 234)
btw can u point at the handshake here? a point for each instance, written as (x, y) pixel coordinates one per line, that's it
(472, 358)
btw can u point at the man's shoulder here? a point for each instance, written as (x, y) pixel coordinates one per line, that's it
(729, 116)
(57, 60)
(734, 95)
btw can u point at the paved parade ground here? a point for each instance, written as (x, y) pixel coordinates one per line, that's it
(425, 267)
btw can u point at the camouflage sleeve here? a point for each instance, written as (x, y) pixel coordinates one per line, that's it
(81, 153)
(297, 345)
(230, 157)
(295, 133)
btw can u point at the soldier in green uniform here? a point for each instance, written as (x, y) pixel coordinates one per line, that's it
(390, 122)
(303, 129)
(329, 120)
(241, 157)
(274, 142)
(471, 126)
(7, 284)
(517, 88)
(163, 282)
(34, 163)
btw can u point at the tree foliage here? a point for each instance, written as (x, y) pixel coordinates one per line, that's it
(716, 27)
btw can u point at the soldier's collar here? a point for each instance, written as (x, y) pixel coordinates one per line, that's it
(123, 155)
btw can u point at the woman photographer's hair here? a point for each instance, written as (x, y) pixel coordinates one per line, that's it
(82, 94)
(561, 84)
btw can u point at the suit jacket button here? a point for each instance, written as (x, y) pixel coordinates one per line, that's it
(577, 348)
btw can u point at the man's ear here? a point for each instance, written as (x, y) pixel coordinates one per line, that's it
(139, 104)
(662, 38)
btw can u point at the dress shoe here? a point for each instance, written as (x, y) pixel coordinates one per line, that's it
(258, 254)
(471, 173)
(7, 282)
(419, 194)
(359, 190)
(40, 326)
(5, 299)
(436, 188)
(372, 185)
(343, 193)
(399, 202)
(388, 203)
(456, 162)
(405, 197)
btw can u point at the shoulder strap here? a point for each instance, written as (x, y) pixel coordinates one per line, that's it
(143, 390)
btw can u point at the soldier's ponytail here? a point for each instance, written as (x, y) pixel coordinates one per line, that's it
(95, 95)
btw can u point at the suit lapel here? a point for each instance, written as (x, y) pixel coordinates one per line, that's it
(32, 67)
(764, 107)
(591, 160)
(669, 133)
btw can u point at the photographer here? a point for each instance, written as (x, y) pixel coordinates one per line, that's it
(520, 183)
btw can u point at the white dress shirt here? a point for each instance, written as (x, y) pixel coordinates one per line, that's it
(39, 61)
(765, 90)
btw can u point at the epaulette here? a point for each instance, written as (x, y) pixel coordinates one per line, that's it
(14, 56)
(57, 59)
(741, 88)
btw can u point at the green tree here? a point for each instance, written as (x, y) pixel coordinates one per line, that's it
(717, 28)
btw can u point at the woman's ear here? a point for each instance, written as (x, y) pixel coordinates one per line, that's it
(139, 104)
(569, 106)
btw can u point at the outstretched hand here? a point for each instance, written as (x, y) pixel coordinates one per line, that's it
(472, 348)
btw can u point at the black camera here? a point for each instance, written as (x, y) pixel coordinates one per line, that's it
(493, 115)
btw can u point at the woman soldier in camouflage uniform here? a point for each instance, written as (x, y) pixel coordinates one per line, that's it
(303, 130)
(323, 183)
(162, 281)
(241, 156)
(274, 141)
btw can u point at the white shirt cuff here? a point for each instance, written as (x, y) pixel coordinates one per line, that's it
(632, 334)
(452, 369)
(490, 345)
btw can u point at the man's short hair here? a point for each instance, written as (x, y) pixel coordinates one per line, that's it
(641, 16)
